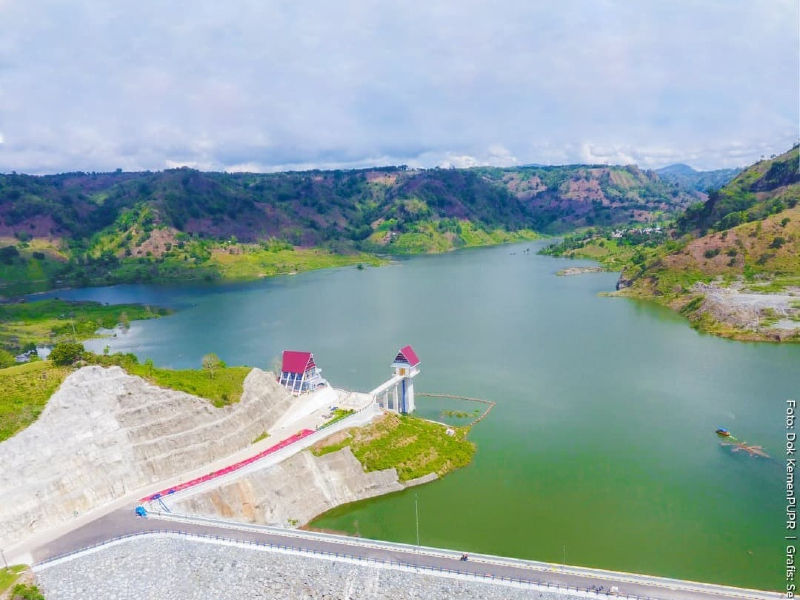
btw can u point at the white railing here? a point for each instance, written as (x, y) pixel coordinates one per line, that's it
(274, 458)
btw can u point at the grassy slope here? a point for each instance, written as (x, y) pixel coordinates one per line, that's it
(49, 321)
(749, 251)
(248, 262)
(222, 387)
(748, 233)
(9, 575)
(413, 446)
(25, 389)
(431, 238)
(25, 392)
(29, 273)
(611, 253)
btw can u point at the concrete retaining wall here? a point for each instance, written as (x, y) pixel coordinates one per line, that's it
(105, 433)
(293, 491)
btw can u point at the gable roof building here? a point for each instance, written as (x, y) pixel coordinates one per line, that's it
(299, 372)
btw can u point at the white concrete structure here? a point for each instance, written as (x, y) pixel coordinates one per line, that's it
(397, 394)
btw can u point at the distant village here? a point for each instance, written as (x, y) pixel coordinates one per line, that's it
(618, 233)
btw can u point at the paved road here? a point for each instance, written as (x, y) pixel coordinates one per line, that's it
(123, 521)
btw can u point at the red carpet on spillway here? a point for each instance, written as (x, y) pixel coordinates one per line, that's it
(231, 468)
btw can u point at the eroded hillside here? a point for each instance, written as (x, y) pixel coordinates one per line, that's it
(103, 228)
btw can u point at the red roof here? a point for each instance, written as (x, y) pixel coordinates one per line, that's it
(407, 355)
(297, 362)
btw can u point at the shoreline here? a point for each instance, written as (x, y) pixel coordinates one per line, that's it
(371, 258)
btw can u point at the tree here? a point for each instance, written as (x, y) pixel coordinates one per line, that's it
(66, 353)
(6, 359)
(211, 363)
(149, 365)
(23, 591)
(8, 254)
(778, 242)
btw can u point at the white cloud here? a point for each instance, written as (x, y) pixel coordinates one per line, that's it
(298, 85)
(455, 161)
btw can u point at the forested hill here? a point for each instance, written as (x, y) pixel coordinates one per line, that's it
(98, 228)
(701, 181)
(731, 264)
(310, 208)
(745, 239)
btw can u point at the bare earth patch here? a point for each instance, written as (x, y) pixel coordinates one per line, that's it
(580, 270)
(773, 315)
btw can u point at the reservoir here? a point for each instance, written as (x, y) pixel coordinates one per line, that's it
(601, 449)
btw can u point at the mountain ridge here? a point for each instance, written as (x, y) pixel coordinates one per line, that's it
(100, 228)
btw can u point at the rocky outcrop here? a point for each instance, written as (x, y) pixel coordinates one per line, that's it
(623, 282)
(105, 433)
(293, 491)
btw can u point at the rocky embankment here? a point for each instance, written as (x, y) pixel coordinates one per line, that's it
(732, 310)
(105, 433)
(580, 271)
(296, 490)
(184, 569)
(772, 316)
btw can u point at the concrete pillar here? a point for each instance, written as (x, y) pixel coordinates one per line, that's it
(396, 400)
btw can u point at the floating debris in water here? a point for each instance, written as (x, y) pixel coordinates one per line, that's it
(744, 447)
(739, 446)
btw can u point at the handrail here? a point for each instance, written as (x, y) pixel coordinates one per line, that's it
(306, 435)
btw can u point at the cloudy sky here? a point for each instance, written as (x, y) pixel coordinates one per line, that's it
(264, 85)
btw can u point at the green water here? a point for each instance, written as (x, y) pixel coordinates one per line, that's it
(601, 447)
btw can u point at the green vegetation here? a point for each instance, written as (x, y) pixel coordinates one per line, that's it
(222, 387)
(614, 253)
(105, 228)
(764, 189)
(264, 435)
(9, 575)
(66, 353)
(747, 234)
(573, 196)
(25, 391)
(6, 359)
(700, 181)
(26, 388)
(413, 446)
(460, 414)
(25, 325)
(23, 591)
(338, 415)
(248, 262)
(435, 237)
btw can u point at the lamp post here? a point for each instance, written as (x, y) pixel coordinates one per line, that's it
(416, 513)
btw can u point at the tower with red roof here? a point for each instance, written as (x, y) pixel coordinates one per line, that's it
(406, 366)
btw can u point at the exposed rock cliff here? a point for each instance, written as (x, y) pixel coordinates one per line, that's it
(105, 433)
